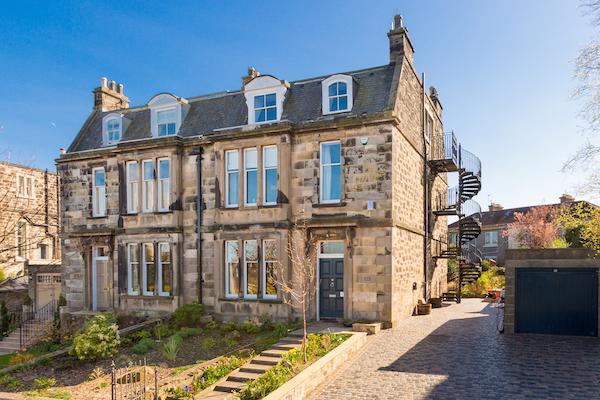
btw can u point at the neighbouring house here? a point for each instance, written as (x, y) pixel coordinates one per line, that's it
(492, 243)
(193, 199)
(29, 229)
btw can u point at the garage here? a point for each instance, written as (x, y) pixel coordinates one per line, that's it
(557, 301)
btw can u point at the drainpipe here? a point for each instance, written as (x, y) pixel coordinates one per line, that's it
(425, 191)
(199, 222)
(46, 205)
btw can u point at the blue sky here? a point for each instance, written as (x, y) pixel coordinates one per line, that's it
(503, 69)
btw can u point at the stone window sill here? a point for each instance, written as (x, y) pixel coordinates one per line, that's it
(326, 205)
(242, 300)
(142, 297)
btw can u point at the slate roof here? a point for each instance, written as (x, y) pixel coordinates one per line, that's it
(211, 113)
(507, 216)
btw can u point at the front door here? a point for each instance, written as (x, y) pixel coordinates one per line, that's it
(331, 288)
(100, 279)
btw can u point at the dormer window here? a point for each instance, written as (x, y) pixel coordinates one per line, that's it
(112, 128)
(337, 94)
(167, 124)
(265, 107)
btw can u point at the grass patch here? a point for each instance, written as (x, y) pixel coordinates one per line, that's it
(50, 393)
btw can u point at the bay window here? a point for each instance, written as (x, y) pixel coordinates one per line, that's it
(132, 187)
(98, 192)
(250, 177)
(270, 260)
(148, 185)
(164, 174)
(250, 269)
(232, 268)
(231, 178)
(133, 269)
(330, 171)
(270, 175)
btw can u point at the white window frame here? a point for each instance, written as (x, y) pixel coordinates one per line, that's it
(135, 246)
(265, 107)
(245, 269)
(166, 102)
(174, 121)
(490, 243)
(145, 271)
(227, 262)
(132, 187)
(148, 198)
(264, 270)
(263, 85)
(28, 185)
(428, 127)
(105, 121)
(322, 167)
(98, 194)
(264, 174)
(325, 92)
(227, 172)
(159, 180)
(246, 171)
(159, 267)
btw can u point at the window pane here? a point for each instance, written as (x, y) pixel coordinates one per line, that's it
(251, 187)
(259, 115)
(148, 170)
(149, 265)
(343, 103)
(333, 89)
(271, 114)
(251, 250)
(232, 190)
(165, 262)
(270, 100)
(99, 178)
(250, 159)
(165, 116)
(259, 101)
(336, 247)
(171, 129)
(270, 157)
(132, 171)
(331, 153)
(331, 182)
(333, 104)
(271, 259)
(232, 260)
(163, 169)
(232, 160)
(341, 88)
(162, 130)
(251, 260)
(271, 186)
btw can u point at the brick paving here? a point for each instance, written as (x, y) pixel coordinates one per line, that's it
(456, 353)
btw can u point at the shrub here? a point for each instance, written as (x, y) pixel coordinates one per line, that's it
(208, 344)
(160, 331)
(96, 373)
(211, 326)
(143, 346)
(187, 332)
(265, 321)
(10, 382)
(229, 326)
(43, 382)
(19, 358)
(491, 279)
(249, 327)
(188, 315)
(99, 338)
(139, 335)
(172, 347)
(215, 372)
(177, 392)
(4, 319)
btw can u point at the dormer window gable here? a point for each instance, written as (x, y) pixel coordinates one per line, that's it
(337, 94)
(112, 128)
(167, 113)
(265, 95)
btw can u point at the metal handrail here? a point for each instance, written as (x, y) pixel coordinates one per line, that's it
(447, 148)
(470, 162)
(470, 208)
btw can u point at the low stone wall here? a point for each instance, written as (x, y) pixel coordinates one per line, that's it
(300, 386)
(539, 258)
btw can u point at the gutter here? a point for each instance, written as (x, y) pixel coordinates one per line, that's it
(199, 222)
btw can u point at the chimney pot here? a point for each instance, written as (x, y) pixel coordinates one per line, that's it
(400, 45)
(111, 85)
(495, 207)
(103, 81)
(397, 22)
(566, 198)
(120, 88)
(62, 151)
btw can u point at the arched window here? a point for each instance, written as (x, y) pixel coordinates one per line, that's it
(338, 97)
(337, 94)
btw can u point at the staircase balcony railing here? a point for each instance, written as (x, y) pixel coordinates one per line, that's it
(445, 152)
(447, 203)
(470, 208)
(470, 162)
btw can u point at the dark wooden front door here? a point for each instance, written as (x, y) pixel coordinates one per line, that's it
(558, 301)
(331, 288)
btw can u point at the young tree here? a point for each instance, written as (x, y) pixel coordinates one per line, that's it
(534, 229)
(581, 223)
(299, 289)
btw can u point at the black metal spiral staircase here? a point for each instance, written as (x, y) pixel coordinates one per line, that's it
(451, 157)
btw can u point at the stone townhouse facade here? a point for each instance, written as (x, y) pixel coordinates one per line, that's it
(195, 199)
(29, 229)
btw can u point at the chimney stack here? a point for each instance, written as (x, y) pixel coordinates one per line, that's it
(252, 73)
(109, 97)
(566, 199)
(495, 207)
(400, 44)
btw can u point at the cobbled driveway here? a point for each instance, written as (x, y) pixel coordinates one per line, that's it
(456, 353)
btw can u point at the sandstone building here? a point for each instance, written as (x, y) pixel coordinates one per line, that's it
(193, 199)
(29, 227)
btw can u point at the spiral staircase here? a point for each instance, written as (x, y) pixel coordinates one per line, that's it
(451, 157)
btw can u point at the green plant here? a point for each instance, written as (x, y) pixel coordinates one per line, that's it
(10, 382)
(177, 392)
(139, 335)
(4, 319)
(229, 341)
(187, 332)
(558, 243)
(249, 327)
(188, 315)
(229, 326)
(266, 321)
(491, 279)
(96, 373)
(143, 346)
(99, 338)
(208, 344)
(172, 347)
(211, 326)
(43, 382)
(160, 331)
(215, 372)
(19, 358)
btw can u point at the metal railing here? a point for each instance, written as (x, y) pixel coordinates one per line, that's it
(36, 323)
(446, 147)
(470, 208)
(136, 381)
(470, 162)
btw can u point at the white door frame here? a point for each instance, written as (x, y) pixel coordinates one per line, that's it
(96, 258)
(318, 280)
